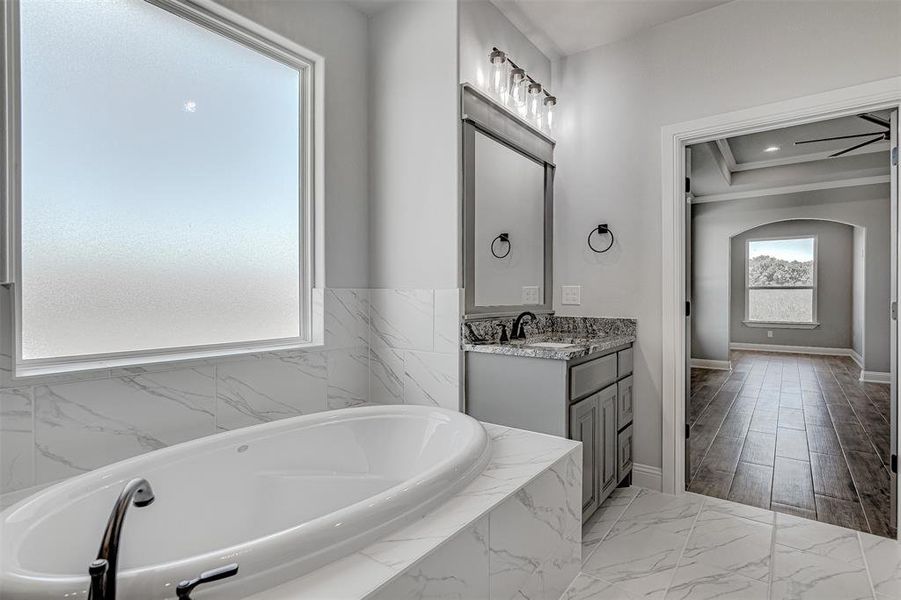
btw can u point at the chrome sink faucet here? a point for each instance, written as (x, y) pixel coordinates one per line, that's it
(518, 333)
(103, 570)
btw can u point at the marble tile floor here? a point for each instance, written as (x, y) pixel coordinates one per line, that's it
(794, 433)
(646, 545)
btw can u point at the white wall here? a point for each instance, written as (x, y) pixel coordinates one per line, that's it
(858, 291)
(482, 27)
(714, 224)
(834, 284)
(414, 146)
(614, 101)
(339, 34)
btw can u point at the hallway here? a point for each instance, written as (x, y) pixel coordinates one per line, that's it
(797, 434)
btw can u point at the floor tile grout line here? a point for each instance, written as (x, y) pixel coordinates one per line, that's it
(841, 446)
(612, 525)
(866, 564)
(691, 530)
(769, 585)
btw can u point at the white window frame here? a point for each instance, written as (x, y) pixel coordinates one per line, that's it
(781, 324)
(215, 18)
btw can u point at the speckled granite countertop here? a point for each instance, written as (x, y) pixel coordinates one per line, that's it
(581, 335)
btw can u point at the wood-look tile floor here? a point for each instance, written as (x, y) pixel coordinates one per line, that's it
(794, 433)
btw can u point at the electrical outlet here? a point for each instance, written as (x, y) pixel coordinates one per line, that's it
(571, 294)
(769, 333)
(531, 294)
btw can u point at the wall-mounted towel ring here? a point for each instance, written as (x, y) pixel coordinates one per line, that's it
(600, 230)
(503, 238)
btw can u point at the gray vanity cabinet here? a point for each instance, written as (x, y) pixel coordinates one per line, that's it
(588, 399)
(592, 421)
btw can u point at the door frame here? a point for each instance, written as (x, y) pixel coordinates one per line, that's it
(877, 95)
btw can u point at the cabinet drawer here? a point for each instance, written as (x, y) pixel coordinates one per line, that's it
(591, 376)
(624, 453)
(624, 402)
(624, 360)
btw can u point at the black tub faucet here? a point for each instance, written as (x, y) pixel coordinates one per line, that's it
(103, 570)
(518, 333)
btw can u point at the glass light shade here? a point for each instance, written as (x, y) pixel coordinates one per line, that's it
(535, 108)
(519, 90)
(498, 81)
(550, 105)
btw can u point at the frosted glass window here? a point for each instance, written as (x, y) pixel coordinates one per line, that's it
(160, 182)
(782, 280)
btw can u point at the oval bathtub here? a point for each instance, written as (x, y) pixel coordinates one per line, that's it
(280, 499)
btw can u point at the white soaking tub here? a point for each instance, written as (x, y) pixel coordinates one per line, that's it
(279, 499)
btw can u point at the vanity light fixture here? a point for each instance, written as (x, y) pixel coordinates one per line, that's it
(515, 89)
(771, 149)
(498, 78)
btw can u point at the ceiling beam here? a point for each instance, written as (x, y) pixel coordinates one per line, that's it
(804, 158)
(726, 151)
(721, 163)
(792, 189)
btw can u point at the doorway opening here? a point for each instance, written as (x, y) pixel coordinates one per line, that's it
(787, 267)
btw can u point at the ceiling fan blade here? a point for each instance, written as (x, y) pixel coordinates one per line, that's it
(875, 120)
(838, 137)
(852, 148)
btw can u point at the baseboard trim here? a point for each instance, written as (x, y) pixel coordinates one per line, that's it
(857, 358)
(646, 476)
(875, 377)
(706, 363)
(792, 349)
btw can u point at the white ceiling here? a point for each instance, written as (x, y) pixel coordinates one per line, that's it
(562, 27)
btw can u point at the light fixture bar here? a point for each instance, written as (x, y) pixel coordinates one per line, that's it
(516, 66)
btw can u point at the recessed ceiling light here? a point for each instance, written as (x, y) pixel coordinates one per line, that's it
(771, 149)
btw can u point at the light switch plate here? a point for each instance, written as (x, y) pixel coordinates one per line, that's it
(572, 294)
(531, 294)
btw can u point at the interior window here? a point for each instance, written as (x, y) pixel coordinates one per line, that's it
(781, 276)
(161, 184)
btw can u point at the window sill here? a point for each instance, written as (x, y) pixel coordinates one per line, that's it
(159, 362)
(781, 325)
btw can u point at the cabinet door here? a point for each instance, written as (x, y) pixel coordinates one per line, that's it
(584, 426)
(624, 402)
(624, 453)
(607, 461)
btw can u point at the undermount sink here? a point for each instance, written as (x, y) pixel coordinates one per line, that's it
(550, 345)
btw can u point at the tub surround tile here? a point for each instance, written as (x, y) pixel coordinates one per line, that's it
(260, 390)
(457, 569)
(85, 425)
(16, 440)
(519, 458)
(535, 539)
(447, 321)
(346, 318)
(403, 318)
(432, 379)
(386, 375)
(348, 377)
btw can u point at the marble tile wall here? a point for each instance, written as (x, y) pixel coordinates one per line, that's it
(529, 546)
(415, 347)
(382, 346)
(56, 427)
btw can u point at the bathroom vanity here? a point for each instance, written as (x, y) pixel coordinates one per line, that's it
(570, 377)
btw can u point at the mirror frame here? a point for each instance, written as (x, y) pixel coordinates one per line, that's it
(481, 114)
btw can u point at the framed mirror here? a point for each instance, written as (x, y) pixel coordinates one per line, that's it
(508, 182)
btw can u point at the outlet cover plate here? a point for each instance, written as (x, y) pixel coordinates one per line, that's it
(531, 294)
(571, 295)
